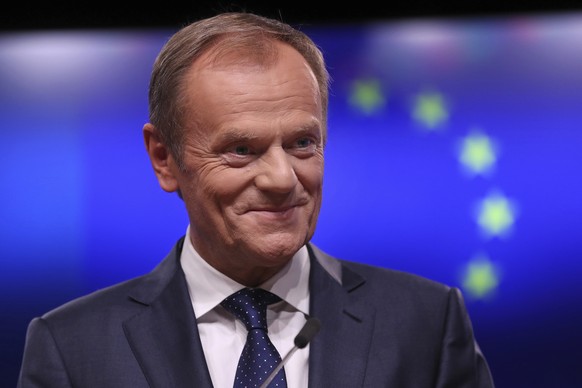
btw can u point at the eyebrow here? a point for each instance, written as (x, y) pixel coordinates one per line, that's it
(237, 135)
(234, 135)
(310, 129)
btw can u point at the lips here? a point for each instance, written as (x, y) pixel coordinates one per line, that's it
(278, 213)
(278, 208)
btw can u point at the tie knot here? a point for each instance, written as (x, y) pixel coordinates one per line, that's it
(250, 306)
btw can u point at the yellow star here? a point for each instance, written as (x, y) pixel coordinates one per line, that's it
(430, 110)
(477, 153)
(481, 277)
(496, 215)
(366, 95)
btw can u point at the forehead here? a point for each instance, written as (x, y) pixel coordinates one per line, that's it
(229, 102)
(275, 81)
(232, 50)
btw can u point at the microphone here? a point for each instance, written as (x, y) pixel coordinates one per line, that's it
(305, 335)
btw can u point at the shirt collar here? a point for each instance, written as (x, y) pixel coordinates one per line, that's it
(208, 287)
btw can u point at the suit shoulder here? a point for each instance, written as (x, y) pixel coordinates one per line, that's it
(388, 289)
(353, 273)
(382, 278)
(114, 297)
(124, 298)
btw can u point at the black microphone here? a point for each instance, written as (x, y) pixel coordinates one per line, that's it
(305, 335)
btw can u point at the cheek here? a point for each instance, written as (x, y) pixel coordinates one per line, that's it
(224, 187)
(311, 176)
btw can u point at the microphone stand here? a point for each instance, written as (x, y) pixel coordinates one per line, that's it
(305, 335)
(278, 368)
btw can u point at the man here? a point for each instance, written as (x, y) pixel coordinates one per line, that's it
(238, 107)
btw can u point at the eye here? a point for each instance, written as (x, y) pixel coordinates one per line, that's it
(305, 142)
(238, 155)
(241, 150)
(303, 147)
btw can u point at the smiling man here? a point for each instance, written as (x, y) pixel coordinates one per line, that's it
(250, 169)
(238, 116)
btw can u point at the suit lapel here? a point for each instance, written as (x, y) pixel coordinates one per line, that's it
(339, 353)
(164, 336)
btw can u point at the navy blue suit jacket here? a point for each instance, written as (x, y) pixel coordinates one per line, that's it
(379, 328)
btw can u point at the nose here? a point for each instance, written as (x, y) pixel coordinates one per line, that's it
(276, 172)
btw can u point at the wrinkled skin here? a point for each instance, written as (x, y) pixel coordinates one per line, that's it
(253, 163)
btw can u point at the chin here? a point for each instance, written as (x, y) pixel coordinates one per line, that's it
(281, 248)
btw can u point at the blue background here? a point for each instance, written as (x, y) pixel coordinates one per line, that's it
(80, 207)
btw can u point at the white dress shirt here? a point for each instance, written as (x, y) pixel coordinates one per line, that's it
(223, 336)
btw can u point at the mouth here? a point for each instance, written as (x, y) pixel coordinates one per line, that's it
(273, 209)
(275, 212)
(279, 208)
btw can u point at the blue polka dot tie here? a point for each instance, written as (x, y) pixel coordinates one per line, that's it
(259, 356)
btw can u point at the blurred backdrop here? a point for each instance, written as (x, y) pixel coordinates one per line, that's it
(453, 153)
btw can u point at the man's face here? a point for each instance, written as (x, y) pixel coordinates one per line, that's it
(253, 159)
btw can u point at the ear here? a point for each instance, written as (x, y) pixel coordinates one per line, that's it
(162, 161)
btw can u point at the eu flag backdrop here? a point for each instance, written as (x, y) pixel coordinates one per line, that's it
(454, 152)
